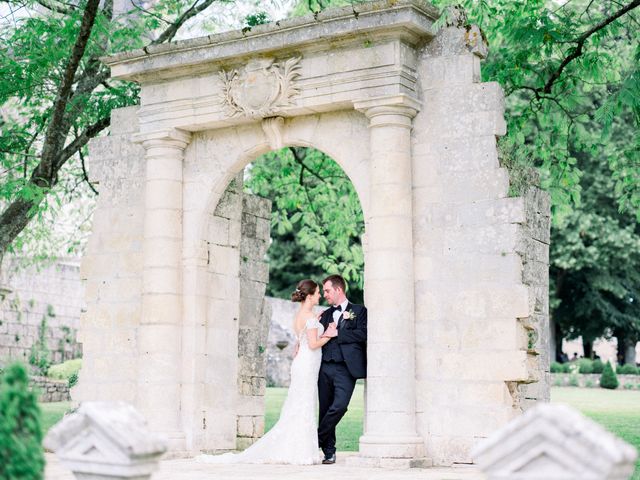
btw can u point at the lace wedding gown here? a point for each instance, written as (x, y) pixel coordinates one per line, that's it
(293, 440)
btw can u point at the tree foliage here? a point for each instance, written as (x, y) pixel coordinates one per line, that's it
(317, 218)
(21, 454)
(55, 95)
(563, 66)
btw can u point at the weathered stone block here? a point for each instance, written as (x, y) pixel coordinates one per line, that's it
(106, 440)
(258, 206)
(554, 441)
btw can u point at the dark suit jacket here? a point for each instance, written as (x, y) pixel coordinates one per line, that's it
(352, 338)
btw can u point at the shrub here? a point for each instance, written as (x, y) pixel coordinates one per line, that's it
(588, 383)
(585, 365)
(557, 382)
(608, 379)
(628, 386)
(566, 368)
(627, 369)
(64, 371)
(39, 356)
(556, 367)
(573, 380)
(73, 379)
(597, 365)
(21, 454)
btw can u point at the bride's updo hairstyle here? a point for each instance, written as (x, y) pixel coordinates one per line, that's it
(304, 288)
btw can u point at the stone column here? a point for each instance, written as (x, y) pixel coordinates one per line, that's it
(159, 333)
(389, 284)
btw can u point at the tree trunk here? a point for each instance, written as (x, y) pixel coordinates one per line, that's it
(587, 346)
(621, 336)
(629, 349)
(555, 341)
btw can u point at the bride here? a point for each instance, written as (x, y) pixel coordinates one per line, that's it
(294, 438)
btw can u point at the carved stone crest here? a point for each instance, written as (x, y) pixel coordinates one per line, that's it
(261, 88)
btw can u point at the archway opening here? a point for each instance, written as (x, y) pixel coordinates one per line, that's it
(290, 214)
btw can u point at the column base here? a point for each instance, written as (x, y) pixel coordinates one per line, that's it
(176, 443)
(394, 463)
(391, 446)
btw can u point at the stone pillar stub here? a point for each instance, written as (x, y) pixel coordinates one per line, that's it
(158, 395)
(390, 435)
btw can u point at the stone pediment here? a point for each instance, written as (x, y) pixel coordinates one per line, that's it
(106, 437)
(554, 442)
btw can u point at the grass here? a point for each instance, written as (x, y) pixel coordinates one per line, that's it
(616, 410)
(52, 413)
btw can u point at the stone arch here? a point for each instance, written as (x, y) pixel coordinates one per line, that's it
(461, 347)
(215, 169)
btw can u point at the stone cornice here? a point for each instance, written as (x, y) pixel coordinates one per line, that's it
(409, 20)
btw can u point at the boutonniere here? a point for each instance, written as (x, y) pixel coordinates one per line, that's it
(348, 315)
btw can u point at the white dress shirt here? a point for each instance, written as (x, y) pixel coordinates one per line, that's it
(338, 313)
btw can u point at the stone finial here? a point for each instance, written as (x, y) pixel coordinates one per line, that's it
(106, 440)
(554, 442)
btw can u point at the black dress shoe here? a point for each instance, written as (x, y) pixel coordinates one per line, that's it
(329, 459)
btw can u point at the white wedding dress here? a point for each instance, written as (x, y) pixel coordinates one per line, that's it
(293, 440)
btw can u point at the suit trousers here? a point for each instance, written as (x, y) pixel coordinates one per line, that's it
(335, 387)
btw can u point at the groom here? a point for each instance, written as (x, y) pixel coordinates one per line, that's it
(344, 360)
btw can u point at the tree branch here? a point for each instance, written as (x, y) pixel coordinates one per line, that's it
(21, 210)
(192, 11)
(85, 176)
(582, 40)
(81, 140)
(299, 160)
(59, 125)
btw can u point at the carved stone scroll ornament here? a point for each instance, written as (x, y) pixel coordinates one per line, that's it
(261, 88)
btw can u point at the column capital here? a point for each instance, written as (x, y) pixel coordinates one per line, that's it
(167, 137)
(389, 110)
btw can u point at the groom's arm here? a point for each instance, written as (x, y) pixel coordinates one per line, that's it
(357, 334)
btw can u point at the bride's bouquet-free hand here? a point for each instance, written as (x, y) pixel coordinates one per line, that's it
(332, 330)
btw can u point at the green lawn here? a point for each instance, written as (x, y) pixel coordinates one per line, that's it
(52, 413)
(617, 410)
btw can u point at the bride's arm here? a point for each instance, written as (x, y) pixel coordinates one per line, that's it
(313, 340)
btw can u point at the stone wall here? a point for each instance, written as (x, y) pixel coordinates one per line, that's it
(50, 390)
(220, 342)
(533, 248)
(253, 321)
(281, 343)
(111, 268)
(480, 258)
(43, 301)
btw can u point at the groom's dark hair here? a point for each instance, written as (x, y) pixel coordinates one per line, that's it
(337, 281)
